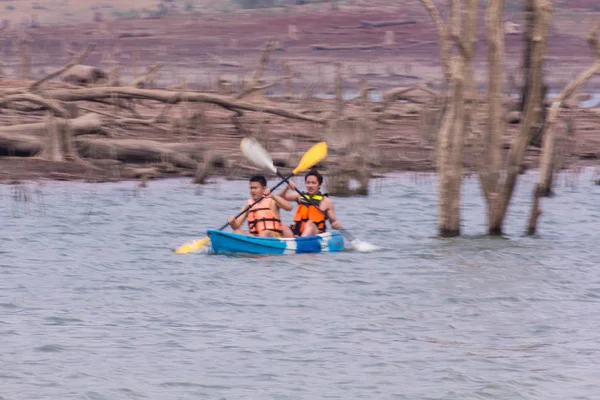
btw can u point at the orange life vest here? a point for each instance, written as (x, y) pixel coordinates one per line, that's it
(307, 212)
(262, 218)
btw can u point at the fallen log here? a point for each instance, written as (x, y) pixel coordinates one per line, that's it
(402, 93)
(19, 145)
(166, 96)
(381, 24)
(14, 101)
(127, 35)
(87, 124)
(195, 150)
(133, 151)
(318, 47)
(27, 143)
(84, 75)
(403, 76)
(345, 26)
(142, 173)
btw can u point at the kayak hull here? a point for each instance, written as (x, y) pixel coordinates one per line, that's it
(227, 242)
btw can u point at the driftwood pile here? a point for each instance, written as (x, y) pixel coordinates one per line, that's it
(74, 129)
(75, 123)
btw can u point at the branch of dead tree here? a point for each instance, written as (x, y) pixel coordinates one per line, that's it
(98, 93)
(593, 40)
(264, 58)
(544, 187)
(176, 98)
(49, 104)
(259, 88)
(65, 68)
(442, 33)
(583, 77)
(140, 82)
(138, 121)
(461, 45)
(115, 103)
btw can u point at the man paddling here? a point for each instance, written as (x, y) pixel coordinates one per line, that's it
(263, 217)
(308, 220)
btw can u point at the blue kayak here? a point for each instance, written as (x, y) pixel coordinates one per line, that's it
(227, 242)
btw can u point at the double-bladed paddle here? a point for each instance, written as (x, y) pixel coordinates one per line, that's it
(258, 155)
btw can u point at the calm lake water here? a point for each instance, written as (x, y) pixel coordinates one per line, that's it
(94, 305)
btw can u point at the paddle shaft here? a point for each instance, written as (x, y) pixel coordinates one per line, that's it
(344, 232)
(285, 179)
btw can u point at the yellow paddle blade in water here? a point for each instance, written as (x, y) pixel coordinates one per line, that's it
(192, 245)
(312, 157)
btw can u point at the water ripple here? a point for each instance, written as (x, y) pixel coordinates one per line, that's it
(94, 304)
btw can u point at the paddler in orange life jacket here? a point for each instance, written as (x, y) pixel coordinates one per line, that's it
(308, 220)
(263, 217)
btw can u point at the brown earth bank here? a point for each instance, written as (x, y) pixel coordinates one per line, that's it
(218, 53)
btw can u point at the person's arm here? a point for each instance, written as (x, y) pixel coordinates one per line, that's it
(235, 223)
(279, 200)
(330, 209)
(289, 196)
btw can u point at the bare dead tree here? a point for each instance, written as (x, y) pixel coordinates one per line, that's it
(489, 169)
(543, 10)
(254, 84)
(529, 38)
(442, 31)
(458, 73)
(544, 187)
(499, 193)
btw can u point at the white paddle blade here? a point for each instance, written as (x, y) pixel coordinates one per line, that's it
(257, 154)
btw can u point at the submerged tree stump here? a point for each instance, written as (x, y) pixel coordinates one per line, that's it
(350, 143)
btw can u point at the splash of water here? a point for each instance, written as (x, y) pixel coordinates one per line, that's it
(364, 247)
(205, 250)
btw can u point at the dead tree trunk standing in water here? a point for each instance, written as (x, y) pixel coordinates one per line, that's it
(350, 138)
(458, 72)
(533, 109)
(489, 173)
(459, 109)
(499, 194)
(529, 38)
(544, 187)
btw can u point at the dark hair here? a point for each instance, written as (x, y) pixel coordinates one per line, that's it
(316, 174)
(260, 179)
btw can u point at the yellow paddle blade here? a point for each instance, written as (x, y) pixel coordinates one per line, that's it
(192, 245)
(311, 157)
